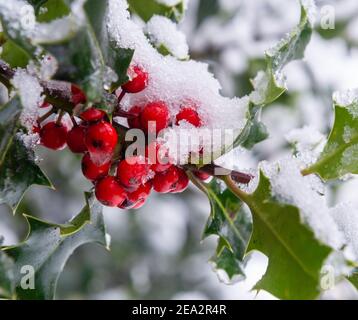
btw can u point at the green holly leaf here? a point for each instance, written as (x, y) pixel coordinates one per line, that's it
(7, 284)
(270, 84)
(340, 155)
(90, 58)
(18, 170)
(148, 8)
(295, 255)
(48, 246)
(254, 131)
(233, 227)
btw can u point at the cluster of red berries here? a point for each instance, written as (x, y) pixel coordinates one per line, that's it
(133, 178)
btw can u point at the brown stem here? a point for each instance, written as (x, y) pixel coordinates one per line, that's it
(58, 93)
(121, 96)
(75, 124)
(45, 116)
(60, 116)
(237, 176)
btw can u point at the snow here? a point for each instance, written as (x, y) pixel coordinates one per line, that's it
(30, 93)
(59, 29)
(19, 16)
(175, 82)
(307, 193)
(308, 142)
(346, 217)
(163, 32)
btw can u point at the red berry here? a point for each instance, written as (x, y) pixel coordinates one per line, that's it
(132, 172)
(101, 140)
(182, 183)
(134, 122)
(109, 192)
(91, 171)
(137, 198)
(53, 135)
(78, 95)
(139, 204)
(155, 112)
(44, 105)
(138, 82)
(157, 156)
(92, 115)
(76, 139)
(141, 193)
(166, 181)
(202, 175)
(190, 115)
(36, 129)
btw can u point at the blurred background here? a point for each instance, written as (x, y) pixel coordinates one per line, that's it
(157, 252)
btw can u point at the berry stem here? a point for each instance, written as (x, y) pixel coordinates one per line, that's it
(60, 116)
(121, 96)
(45, 116)
(75, 124)
(58, 93)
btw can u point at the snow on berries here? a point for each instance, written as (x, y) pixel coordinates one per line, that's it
(138, 80)
(175, 82)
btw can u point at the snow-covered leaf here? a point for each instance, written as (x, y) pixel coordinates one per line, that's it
(295, 255)
(18, 171)
(48, 246)
(340, 155)
(233, 226)
(148, 8)
(18, 22)
(270, 84)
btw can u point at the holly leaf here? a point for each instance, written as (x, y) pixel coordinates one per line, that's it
(91, 58)
(148, 8)
(254, 131)
(233, 227)
(48, 246)
(295, 255)
(47, 11)
(18, 170)
(7, 285)
(353, 278)
(340, 155)
(270, 84)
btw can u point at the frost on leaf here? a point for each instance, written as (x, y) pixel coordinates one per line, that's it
(295, 255)
(178, 83)
(340, 154)
(270, 84)
(306, 193)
